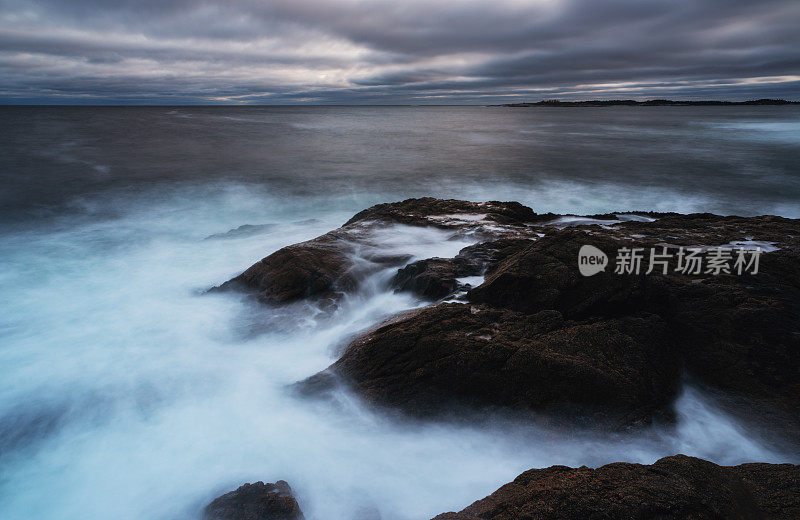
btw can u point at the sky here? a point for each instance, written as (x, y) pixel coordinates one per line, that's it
(395, 52)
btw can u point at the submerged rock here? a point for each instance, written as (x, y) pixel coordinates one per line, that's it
(257, 501)
(674, 488)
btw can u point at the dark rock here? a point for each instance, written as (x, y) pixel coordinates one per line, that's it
(714, 230)
(324, 268)
(432, 278)
(618, 344)
(417, 212)
(436, 278)
(544, 275)
(737, 333)
(257, 501)
(438, 359)
(317, 268)
(674, 488)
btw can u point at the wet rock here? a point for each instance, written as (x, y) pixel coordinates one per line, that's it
(333, 264)
(675, 488)
(245, 230)
(737, 333)
(430, 211)
(257, 501)
(437, 278)
(543, 275)
(318, 268)
(618, 344)
(455, 357)
(433, 278)
(707, 229)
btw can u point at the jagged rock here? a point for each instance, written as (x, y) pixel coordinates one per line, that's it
(433, 278)
(424, 212)
(318, 268)
(436, 278)
(737, 333)
(257, 501)
(443, 358)
(324, 268)
(674, 488)
(698, 229)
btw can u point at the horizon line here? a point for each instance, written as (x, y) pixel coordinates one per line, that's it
(543, 102)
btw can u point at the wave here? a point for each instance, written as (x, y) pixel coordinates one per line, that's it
(144, 398)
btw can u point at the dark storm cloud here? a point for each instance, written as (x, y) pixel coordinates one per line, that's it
(376, 51)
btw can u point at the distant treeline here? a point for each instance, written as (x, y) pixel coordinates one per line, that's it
(649, 103)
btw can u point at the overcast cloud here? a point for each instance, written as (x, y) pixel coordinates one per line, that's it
(377, 51)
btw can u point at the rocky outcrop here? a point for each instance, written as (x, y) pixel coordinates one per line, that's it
(620, 342)
(437, 278)
(674, 488)
(448, 212)
(334, 264)
(319, 268)
(538, 338)
(257, 501)
(453, 356)
(734, 332)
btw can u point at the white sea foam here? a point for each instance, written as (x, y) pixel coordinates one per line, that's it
(474, 281)
(635, 218)
(464, 217)
(751, 245)
(570, 220)
(132, 395)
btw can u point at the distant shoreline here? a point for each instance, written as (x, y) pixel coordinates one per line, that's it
(649, 103)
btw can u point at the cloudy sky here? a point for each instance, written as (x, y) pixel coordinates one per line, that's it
(405, 52)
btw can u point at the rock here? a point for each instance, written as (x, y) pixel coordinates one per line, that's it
(257, 501)
(433, 278)
(437, 278)
(713, 230)
(244, 230)
(455, 357)
(733, 333)
(318, 268)
(736, 333)
(543, 275)
(675, 488)
(335, 263)
(430, 211)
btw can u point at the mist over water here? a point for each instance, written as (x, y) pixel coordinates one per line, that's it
(125, 392)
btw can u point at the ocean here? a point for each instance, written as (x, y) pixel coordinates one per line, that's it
(126, 392)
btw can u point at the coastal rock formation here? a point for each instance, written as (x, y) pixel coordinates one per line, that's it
(335, 263)
(454, 356)
(598, 360)
(437, 278)
(531, 335)
(733, 332)
(674, 488)
(318, 268)
(257, 501)
(428, 211)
